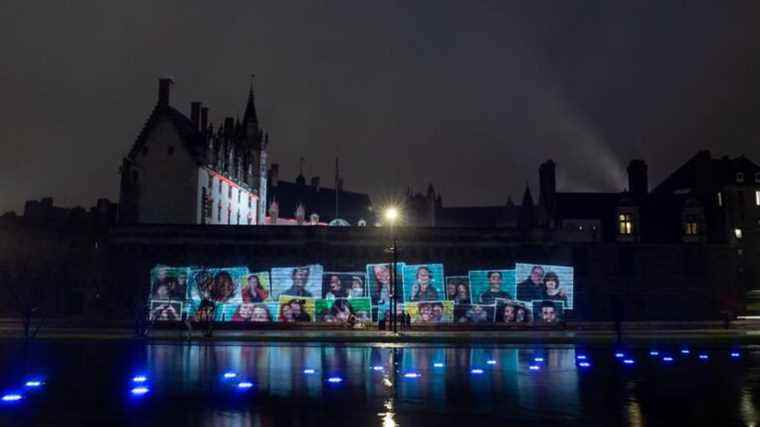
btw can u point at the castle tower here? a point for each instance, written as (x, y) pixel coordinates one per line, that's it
(256, 142)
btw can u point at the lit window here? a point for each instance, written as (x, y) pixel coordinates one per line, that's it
(692, 229)
(720, 199)
(757, 197)
(625, 224)
(738, 233)
(739, 177)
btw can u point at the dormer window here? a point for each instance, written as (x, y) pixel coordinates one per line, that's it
(739, 177)
(692, 227)
(625, 224)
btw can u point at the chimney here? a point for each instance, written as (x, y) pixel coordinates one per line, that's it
(315, 183)
(547, 178)
(164, 91)
(195, 114)
(637, 178)
(204, 119)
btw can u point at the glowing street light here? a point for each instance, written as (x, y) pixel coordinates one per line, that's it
(391, 215)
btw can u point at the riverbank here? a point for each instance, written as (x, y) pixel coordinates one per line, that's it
(633, 333)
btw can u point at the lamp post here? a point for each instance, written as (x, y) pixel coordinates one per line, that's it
(391, 216)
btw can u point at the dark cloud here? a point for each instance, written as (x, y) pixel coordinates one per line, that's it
(469, 95)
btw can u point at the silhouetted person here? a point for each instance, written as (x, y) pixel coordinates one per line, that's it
(616, 304)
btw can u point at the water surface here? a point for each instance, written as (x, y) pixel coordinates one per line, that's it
(91, 383)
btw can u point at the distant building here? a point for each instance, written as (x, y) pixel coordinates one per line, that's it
(44, 214)
(183, 170)
(296, 203)
(705, 200)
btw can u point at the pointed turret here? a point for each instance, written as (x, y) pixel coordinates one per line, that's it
(250, 118)
(526, 220)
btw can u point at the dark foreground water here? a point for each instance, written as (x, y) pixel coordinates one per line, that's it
(93, 383)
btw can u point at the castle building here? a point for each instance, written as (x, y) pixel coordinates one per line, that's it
(184, 170)
(706, 200)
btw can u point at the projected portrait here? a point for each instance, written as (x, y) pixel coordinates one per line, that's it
(548, 311)
(488, 285)
(545, 282)
(343, 285)
(513, 312)
(423, 282)
(255, 288)
(458, 289)
(253, 312)
(303, 281)
(215, 292)
(165, 311)
(430, 312)
(380, 282)
(168, 283)
(296, 309)
(343, 310)
(474, 313)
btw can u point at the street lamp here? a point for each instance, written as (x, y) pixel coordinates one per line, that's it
(391, 215)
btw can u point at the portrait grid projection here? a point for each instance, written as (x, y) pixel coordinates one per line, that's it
(545, 282)
(341, 310)
(488, 285)
(430, 311)
(529, 294)
(344, 285)
(423, 282)
(458, 289)
(301, 281)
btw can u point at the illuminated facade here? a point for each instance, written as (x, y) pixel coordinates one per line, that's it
(183, 170)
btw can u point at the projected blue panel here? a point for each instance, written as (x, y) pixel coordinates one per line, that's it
(488, 285)
(423, 282)
(302, 281)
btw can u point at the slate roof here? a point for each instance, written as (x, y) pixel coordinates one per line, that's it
(193, 139)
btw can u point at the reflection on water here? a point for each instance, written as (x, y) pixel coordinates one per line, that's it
(386, 386)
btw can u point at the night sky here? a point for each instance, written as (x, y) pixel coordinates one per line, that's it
(471, 96)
